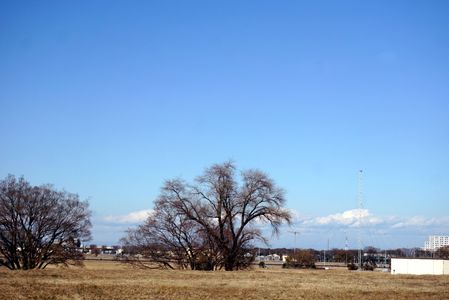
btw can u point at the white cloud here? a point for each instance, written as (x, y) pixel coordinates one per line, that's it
(132, 217)
(353, 217)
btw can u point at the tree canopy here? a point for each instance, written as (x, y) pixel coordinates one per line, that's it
(40, 225)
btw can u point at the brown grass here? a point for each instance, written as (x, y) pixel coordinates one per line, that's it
(110, 280)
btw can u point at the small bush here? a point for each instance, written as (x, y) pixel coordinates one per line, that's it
(368, 267)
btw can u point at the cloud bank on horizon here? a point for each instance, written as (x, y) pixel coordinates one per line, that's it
(363, 218)
(382, 231)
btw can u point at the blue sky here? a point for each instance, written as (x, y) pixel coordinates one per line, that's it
(108, 99)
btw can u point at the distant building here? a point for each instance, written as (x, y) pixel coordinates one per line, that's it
(269, 257)
(272, 257)
(436, 241)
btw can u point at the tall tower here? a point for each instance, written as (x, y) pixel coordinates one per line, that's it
(360, 207)
(295, 232)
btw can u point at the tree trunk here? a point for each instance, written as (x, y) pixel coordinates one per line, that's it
(230, 263)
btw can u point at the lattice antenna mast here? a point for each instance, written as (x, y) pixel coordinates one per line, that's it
(360, 208)
(295, 232)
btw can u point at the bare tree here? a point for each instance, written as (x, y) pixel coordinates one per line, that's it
(40, 225)
(221, 214)
(168, 239)
(442, 252)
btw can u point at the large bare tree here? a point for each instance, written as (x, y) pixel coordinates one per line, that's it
(224, 211)
(40, 225)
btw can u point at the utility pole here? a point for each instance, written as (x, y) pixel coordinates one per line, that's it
(360, 205)
(325, 252)
(324, 257)
(346, 249)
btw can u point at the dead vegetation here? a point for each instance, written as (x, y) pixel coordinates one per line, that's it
(111, 280)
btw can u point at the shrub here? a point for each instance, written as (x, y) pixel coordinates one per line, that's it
(368, 267)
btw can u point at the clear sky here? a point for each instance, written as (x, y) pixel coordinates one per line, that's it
(110, 98)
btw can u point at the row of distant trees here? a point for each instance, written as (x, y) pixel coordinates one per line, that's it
(208, 224)
(351, 255)
(371, 258)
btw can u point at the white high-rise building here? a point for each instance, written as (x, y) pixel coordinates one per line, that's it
(436, 241)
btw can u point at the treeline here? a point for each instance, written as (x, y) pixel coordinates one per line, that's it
(351, 255)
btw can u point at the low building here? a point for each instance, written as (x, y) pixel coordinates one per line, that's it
(416, 266)
(269, 257)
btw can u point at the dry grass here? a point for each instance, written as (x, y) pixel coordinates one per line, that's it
(110, 280)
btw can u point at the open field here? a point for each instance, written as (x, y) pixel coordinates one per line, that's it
(110, 280)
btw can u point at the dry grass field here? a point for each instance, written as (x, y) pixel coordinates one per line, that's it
(110, 280)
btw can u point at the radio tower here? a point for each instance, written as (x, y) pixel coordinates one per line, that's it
(360, 206)
(295, 232)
